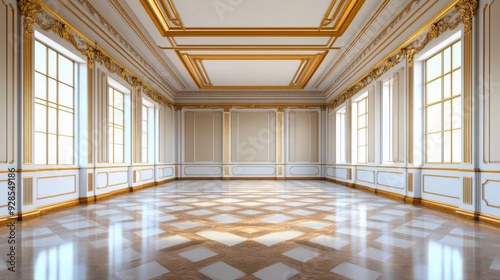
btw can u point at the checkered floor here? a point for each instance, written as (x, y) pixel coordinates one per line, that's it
(252, 230)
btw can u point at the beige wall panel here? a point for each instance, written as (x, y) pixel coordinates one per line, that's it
(7, 71)
(303, 135)
(189, 137)
(204, 136)
(253, 136)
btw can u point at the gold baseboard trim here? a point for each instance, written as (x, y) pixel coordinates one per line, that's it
(165, 181)
(120, 191)
(102, 196)
(470, 215)
(8, 219)
(201, 178)
(58, 206)
(30, 214)
(439, 206)
(412, 200)
(87, 200)
(490, 219)
(135, 188)
(395, 196)
(361, 187)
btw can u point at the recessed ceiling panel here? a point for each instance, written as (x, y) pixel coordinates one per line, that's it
(253, 13)
(251, 72)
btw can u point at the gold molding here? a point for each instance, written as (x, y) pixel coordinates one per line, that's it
(280, 138)
(365, 170)
(309, 63)
(58, 195)
(448, 19)
(483, 197)
(28, 72)
(467, 190)
(334, 23)
(49, 20)
(387, 186)
(90, 111)
(90, 182)
(27, 191)
(437, 194)
(409, 177)
(29, 10)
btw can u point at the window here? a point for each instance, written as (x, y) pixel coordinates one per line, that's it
(393, 118)
(116, 113)
(54, 106)
(341, 131)
(362, 129)
(144, 142)
(443, 105)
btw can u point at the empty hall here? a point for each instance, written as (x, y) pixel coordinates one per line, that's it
(249, 139)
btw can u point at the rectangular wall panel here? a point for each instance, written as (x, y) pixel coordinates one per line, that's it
(7, 81)
(491, 70)
(303, 136)
(253, 136)
(202, 136)
(447, 187)
(54, 186)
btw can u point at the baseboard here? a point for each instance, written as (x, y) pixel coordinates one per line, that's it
(165, 181)
(471, 215)
(58, 206)
(30, 214)
(439, 206)
(391, 195)
(4, 220)
(412, 200)
(87, 200)
(490, 219)
(200, 178)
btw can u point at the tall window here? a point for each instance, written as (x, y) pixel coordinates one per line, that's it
(340, 136)
(443, 105)
(393, 118)
(145, 138)
(54, 106)
(116, 112)
(362, 127)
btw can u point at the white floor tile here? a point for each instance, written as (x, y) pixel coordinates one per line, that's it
(380, 217)
(274, 208)
(328, 241)
(321, 208)
(198, 254)
(271, 200)
(276, 271)
(392, 241)
(336, 218)
(278, 218)
(228, 239)
(91, 232)
(146, 271)
(301, 212)
(80, 225)
(225, 219)
(228, 200)
(119, 218)
(458, 242)
(394, 212)
(358, 232)
(250, 203)
(226, 208)
(149, 232)
(375, 254)
(179, 208)
(201, 212)
(166, 218)
(221, 271)
(495, 265)
(250, 212)
(48, 241)
(412, 232)
(295, 204)
(36, 232)
(187, 224)
(107, 212)
(277, 237)
(355, 272)
(421, 224)
(2, 265)
(170, 241)
(313, 224)
(301, 254)
(311, 200)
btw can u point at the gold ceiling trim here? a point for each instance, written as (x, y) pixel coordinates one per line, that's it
(334, 23)
(448, 19)
(38, 12)
(309, 63)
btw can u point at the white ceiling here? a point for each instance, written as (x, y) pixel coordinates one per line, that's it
(267, 49)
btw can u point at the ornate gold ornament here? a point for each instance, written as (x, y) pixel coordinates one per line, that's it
(467, 8)
(29, 10)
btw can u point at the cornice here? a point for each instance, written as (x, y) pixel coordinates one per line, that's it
(104, 23)
(400, 17)
(43, 16)
(450, 21)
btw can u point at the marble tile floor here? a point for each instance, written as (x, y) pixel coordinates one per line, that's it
(252, 230)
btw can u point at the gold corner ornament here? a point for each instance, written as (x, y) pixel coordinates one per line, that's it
(29, 10)
(467, 8)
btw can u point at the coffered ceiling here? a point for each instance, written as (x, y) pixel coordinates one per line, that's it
(249, 44)
(268, 50)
